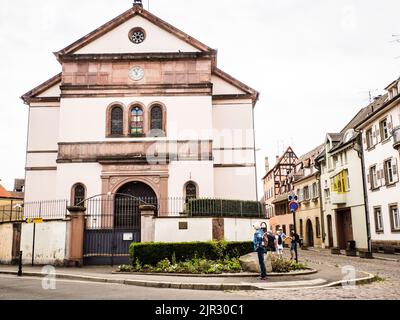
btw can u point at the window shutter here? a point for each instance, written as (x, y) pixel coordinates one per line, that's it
(395, 169)
(385, 174)
(390, 123)
(380, 175)
(369, 179)
(374, 136)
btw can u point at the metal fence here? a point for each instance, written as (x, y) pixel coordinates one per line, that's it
(12, 212)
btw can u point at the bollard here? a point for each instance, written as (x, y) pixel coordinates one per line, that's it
(20, 265)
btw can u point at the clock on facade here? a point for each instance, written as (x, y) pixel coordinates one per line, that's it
(136, 73)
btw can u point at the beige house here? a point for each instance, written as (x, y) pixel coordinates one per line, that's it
(307, 188)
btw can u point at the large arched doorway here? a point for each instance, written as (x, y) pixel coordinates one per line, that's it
(128, 199)
(309, 234)
(113, 222)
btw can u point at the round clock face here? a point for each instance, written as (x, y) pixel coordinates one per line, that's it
(136, 73)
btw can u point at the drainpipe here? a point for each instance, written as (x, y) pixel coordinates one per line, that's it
(364, 179)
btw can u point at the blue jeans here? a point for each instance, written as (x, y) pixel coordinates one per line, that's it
(261, 253)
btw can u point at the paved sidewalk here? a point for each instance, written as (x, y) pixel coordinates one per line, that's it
(378, 256)
(327, 275)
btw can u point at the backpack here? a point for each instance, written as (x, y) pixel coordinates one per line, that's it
(280, 241)
(271, 242)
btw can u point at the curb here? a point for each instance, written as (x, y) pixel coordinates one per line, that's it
(308, 271)
(190, 286)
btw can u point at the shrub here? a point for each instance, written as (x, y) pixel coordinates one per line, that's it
(223, 208)
(152, 253)
(284, 266)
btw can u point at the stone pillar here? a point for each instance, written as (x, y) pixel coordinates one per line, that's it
(76, 236)
(148, 223)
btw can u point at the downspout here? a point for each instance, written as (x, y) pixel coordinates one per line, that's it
(361, 155)
(318, 176)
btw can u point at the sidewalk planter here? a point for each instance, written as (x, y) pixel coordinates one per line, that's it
(335, 250)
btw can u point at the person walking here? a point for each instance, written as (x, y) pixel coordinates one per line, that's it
(279, 247)
(294, 239)
(259, 247)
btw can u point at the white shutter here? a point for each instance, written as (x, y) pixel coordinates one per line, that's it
(374, 136)
(390, 124)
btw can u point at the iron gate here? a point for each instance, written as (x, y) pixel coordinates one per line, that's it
(112, 224)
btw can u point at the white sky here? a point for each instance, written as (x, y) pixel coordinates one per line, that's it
(313, 61)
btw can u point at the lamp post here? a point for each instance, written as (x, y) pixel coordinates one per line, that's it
(293, 206)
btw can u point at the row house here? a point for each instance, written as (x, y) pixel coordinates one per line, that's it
(277, 188)
(343, 190)
(381, 166)
(307, 188)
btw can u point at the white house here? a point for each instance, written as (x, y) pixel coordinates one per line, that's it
(382, 171)
(342, 185)
(139, 108)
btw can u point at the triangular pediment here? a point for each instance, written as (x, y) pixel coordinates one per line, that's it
(113, 37)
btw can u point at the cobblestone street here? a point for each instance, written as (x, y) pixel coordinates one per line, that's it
(389, 289)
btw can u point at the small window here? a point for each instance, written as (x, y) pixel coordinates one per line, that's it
(394, 217)
(306, 193)
(384, 129)
(190, 191)
(78, 194)
(378, 219)
(369, 138)
(389, 178)
(117, 121)
(373, 177)
(137, 121)
(156, 118)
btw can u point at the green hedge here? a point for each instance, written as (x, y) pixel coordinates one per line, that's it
(152, 253)
(223, 208)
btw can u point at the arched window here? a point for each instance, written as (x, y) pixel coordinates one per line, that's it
(190, 191)
(117, 121)
(156, 118)
(78, 194)
(136, 127)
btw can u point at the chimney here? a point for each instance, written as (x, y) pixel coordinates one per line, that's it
(266, 164)
(138, 3)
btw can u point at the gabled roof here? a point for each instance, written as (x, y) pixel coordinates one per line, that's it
(278, 162)
(254, 94)
(112, 24)
(41, 88)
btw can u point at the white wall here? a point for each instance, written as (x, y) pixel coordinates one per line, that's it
(6, 241)
(50, 243)
(41, 160)
(117, 40)
(220, 86)
(43, 129)
(200, 229)
(235, 183)
(40, 185)
(69, 174)
(188, 117)
(384, 195)
(181, 172)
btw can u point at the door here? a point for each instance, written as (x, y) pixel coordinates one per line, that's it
(309, 234)
(330, 231)
(344, 228)
(16, 243)
(114, 222)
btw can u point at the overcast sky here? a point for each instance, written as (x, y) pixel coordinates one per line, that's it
(313, 61)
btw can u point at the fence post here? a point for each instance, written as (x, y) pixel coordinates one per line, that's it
(147, 223)
(76, 236)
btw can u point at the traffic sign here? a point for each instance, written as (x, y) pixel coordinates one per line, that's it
(34, 220)
(293, 206)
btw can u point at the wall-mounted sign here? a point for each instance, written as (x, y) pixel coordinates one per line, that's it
(35, 220)
(128, 236)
